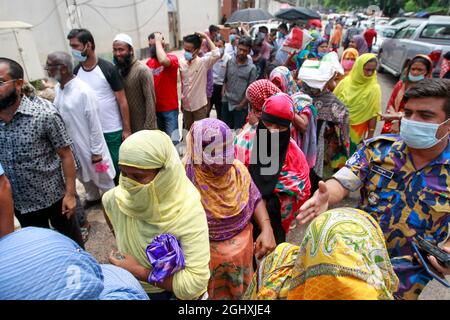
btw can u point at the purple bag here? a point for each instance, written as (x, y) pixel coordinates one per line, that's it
(165, 256)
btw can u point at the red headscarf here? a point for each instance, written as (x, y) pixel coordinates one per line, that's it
(258, 92)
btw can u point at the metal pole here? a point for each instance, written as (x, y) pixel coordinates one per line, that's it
(76, 13)
(137, 25)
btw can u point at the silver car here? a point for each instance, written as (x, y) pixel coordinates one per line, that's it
(416, 36)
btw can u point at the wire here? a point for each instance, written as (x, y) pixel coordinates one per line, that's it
(48, 16)
(120, 29)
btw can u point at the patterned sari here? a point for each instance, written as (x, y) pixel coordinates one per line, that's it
(343, 256)
(229, 198)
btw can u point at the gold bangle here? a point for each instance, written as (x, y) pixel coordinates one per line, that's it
(371, 130)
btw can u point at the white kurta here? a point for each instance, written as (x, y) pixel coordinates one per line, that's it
(79, 109)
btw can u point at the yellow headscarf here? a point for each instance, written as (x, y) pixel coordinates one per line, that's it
(169, 204)
(343, 256)
(361, 94)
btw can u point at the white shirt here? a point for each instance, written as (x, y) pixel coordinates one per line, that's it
(229, 49)
(220, 69)
(79, 109)
(109, 111)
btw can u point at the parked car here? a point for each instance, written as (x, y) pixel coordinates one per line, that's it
(383, 32)
(397, 21)
(270, 25)
(416, 36)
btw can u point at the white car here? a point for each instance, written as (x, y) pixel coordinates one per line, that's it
(383, 32)
(269, 25)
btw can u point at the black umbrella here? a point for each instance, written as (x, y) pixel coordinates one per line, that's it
(249, 15)
(297, 13)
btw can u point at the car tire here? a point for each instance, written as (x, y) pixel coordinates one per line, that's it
(380, 68)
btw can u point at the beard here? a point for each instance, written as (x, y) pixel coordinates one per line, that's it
(153, 52)
(125, 65)
(57, 77)
(9, 100)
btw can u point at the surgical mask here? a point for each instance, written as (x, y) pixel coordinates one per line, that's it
(415, 78)
(261, 35)
(348, 64)
(321, 54)
(188, 56)
(280, 35)
(232, 38)
(78, 55)
(420, 135)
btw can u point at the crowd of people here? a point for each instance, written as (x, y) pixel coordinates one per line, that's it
(210, 221)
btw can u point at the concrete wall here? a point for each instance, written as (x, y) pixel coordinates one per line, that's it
(105, 18)
(197, 15)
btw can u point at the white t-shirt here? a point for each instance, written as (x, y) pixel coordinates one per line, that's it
(109, 111)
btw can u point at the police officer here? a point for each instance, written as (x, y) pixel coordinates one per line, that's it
(404, 181)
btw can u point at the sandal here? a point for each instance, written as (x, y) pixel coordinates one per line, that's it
(85, 232)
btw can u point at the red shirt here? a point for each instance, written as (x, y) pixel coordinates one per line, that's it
(369, 35)
(166, 80)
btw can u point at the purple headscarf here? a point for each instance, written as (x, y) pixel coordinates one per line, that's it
(220, 179)
(361, 44)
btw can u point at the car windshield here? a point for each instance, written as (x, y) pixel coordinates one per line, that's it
(387, 32)
(436, 31)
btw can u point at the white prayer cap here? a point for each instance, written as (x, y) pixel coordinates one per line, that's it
(124, 38)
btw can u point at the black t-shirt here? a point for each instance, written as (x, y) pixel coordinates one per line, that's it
(110, 72)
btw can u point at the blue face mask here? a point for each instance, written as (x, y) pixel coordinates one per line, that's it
(188, 56)
(415, 78)
(420, 135)
(232, 38)
(78, 55)
(321, 54)
(280, 35)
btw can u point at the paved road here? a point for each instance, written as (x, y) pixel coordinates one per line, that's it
(101, 241)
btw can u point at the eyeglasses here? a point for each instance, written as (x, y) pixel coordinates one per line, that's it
(2, 83)
(51, 66)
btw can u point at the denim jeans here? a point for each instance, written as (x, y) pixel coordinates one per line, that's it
(168, 122)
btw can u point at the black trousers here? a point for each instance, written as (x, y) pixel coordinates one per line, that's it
(274, 210)
(216, 100)
(40, 219)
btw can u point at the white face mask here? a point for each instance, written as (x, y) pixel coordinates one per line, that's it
(420, 135)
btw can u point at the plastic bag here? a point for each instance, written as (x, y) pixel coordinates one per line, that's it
(166, 257)
(297, 40)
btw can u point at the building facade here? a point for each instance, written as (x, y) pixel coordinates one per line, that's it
(53, 19)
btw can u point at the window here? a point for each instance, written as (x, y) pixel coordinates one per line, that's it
(436, 31)
(400, 33)
(409, 32)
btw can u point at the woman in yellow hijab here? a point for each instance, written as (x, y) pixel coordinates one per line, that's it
(361, 93)
(343, 256)
(155, 197)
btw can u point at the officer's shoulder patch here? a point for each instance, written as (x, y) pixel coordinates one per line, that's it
(385, 138)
